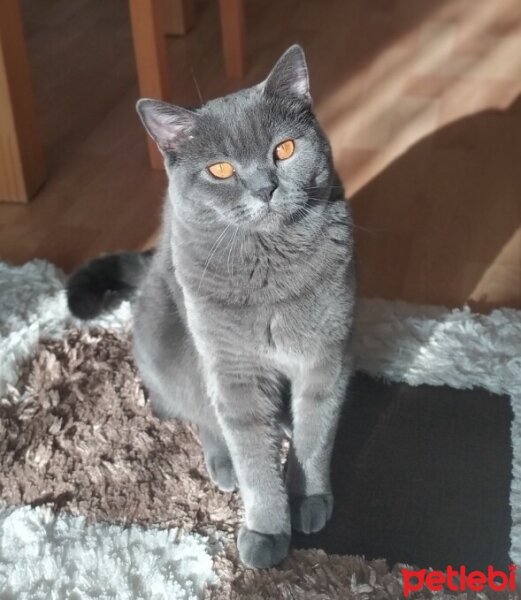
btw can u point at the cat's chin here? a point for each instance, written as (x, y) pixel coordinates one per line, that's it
(268, 221)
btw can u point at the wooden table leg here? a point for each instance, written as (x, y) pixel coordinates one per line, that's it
(179, 16)
(148, 31)
(233, 36)
(22, 165)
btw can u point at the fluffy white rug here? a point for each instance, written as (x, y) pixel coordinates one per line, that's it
(42, 556)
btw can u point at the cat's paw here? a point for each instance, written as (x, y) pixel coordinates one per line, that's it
(222, 473)
(310, 514)
(262, 550)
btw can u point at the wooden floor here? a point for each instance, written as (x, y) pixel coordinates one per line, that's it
(421, 100)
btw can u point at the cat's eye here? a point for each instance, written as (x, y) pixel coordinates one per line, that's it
(221, 170)
(285, 149)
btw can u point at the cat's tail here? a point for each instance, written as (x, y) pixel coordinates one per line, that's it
(103, 283)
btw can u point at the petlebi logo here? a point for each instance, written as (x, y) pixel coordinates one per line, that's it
(458, 580)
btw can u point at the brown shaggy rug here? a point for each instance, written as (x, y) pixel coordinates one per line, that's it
(84, 442)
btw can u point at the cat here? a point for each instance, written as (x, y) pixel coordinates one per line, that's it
(243, 314)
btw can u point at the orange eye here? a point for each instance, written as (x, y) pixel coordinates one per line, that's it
(285, 149)
(222, 170)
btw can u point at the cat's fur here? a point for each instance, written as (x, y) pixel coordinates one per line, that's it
(249, 294)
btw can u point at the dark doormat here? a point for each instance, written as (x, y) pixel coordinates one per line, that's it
(421, 475)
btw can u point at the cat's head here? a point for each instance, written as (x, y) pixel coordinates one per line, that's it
(254, 159)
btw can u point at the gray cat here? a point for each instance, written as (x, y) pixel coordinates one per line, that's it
(243, 316)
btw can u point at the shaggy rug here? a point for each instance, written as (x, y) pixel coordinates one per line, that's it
(102, 500)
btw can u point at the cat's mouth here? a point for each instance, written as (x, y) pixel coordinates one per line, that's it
(277, 213)
(268, 217)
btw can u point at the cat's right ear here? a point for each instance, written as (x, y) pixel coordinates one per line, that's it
(166, 124)
(289, 76)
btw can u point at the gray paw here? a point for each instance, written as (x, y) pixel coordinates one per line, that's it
(310, 513)
(262, 550)
(222, 472)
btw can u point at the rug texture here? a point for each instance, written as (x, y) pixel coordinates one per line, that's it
(102, 500)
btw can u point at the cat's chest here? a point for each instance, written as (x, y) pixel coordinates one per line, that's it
(301, 330)
(280, 334)
(274, 332)
(289, 330)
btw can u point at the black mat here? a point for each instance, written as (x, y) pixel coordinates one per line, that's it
(421, 476)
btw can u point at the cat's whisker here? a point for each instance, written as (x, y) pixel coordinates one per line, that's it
(242, 249)
(213, 249)
(306, 210)
(369, 229)
(317, 198)
(243, 258)
(235, 245)
(197, 86)
(301, 211)
(324, 187)
(232, 244)
(236, 253)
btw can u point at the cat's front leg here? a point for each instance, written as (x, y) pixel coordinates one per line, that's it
(247, 411)
(217, 458)
(318, 393)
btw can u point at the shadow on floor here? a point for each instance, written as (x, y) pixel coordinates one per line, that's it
(438, 224)
(421, 475)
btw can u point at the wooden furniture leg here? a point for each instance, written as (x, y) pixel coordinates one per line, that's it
(233, 36)
(179, 16)
(22, 165)
(148, 31)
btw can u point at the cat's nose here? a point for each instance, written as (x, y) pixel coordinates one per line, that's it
(265, 193)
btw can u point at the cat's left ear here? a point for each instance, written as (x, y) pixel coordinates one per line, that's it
(290, 75)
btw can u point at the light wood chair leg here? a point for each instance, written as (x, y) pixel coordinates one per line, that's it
(179, 16)
(22, 165)
(148, 31)
(233, 36)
